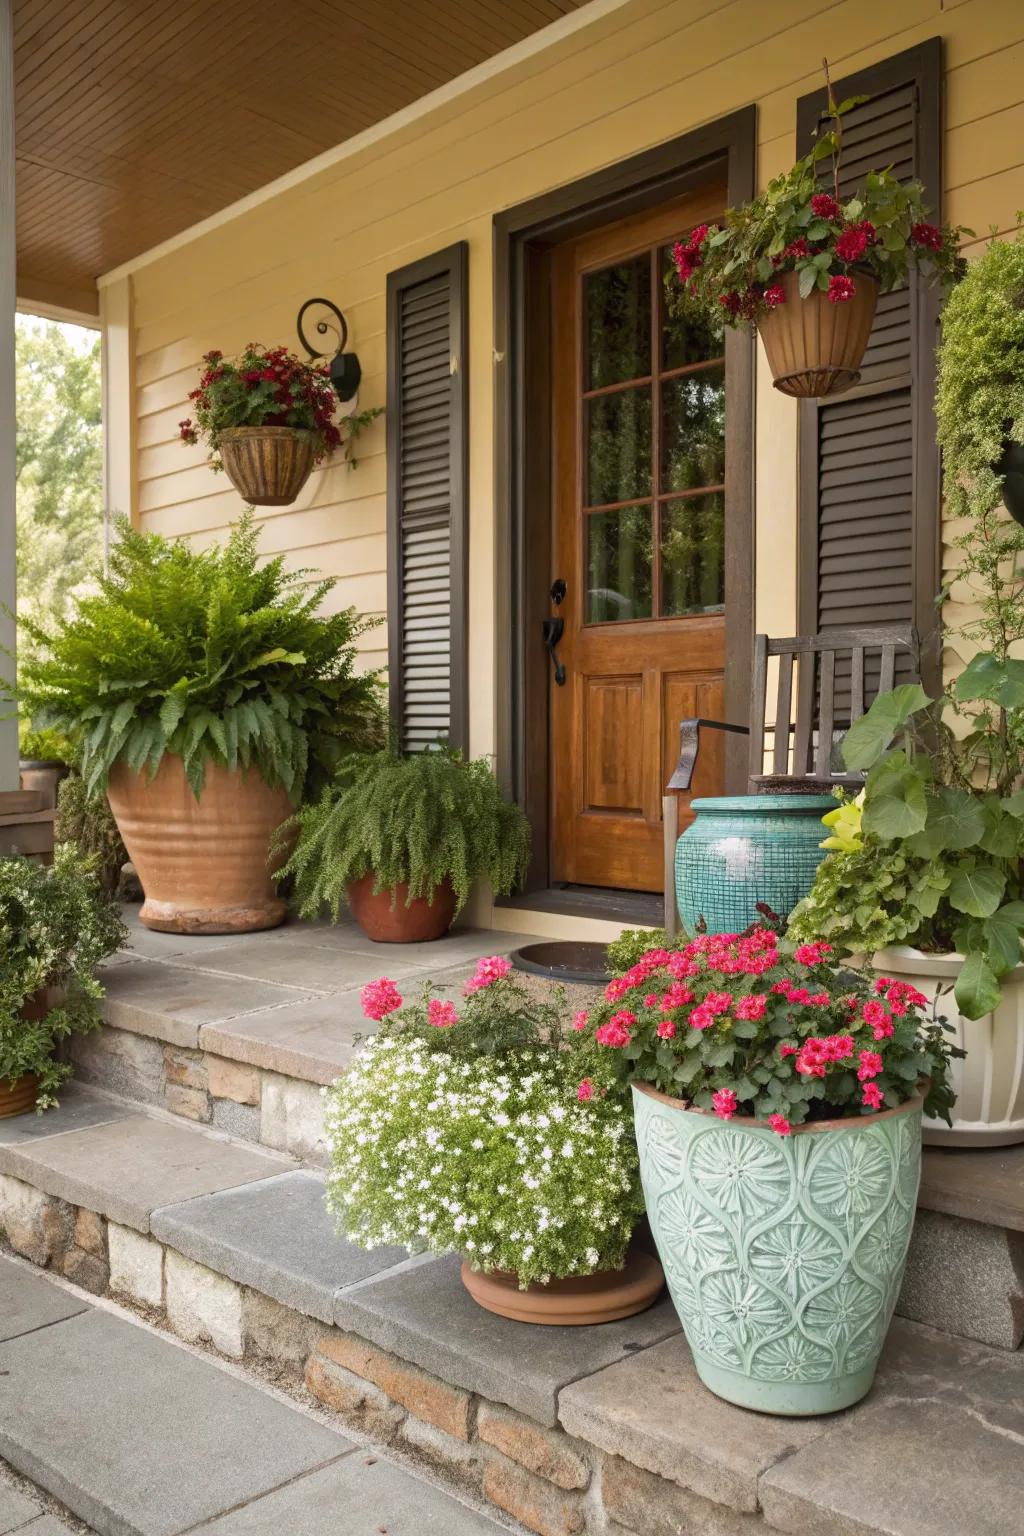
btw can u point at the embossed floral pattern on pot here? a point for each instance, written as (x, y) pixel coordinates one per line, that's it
(784, 1255)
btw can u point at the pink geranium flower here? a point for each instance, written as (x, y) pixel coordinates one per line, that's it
(780, 1125)
(579, 1020)
(618, 1030)
(441, 1014)
(872, 1096)
(724, 1103)
(379, 998)
(489, 970)
(870, 1065)
(666, 1029)
(585, 1090)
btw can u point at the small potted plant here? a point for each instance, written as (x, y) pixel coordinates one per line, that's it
(268, 418)
(209, 694)
(926, 875)
(484, 1127)
(778, 1106)
(46, 758)
(402, 838)
(56, 924)
(979, 406)
(804, 265)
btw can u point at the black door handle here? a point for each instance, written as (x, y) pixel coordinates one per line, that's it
(553, 630)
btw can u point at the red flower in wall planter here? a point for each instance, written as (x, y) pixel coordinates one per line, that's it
(804, 266)
(269, 419)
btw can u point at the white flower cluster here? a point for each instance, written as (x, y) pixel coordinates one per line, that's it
(493, 1157)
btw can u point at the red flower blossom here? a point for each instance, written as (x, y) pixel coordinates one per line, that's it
(585, 1090)
(870, 1065)
(926, 235)
(730, 302)
(872, 1096)
(824, 206)
(854, 241)
(840, 288)
(775, 295)
(780, 1125)
(724, 1103)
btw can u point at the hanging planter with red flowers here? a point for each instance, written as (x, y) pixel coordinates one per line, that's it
(804, 266)
(269, 419)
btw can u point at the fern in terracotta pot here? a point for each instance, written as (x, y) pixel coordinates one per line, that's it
(804, 265)
(269, 419)
(403, 838)
(208, 695)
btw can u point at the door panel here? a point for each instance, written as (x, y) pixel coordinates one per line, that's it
(638, 538)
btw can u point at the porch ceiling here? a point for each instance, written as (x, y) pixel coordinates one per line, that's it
(136, 119)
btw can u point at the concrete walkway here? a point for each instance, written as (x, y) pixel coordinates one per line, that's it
(140, 1437)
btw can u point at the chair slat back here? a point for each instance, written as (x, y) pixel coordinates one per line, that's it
(805, 747)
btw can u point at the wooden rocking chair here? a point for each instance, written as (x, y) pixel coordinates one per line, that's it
(837, 676)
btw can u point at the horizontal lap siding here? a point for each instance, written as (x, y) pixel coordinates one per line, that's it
(631, 79)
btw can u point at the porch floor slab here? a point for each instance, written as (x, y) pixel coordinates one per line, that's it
(80, 1108)
(276, 1236)
(127, 1169)
(426, 1315)
(28, 1302)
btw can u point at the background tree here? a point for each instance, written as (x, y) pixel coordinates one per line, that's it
(58, 464)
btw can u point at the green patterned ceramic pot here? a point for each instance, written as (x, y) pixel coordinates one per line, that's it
(742, 849)
(783, 1254)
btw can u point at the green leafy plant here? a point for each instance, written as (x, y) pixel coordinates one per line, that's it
(417, 820)
(56, 924)
(980, 400)
(87, 823)
(209, 654)
(631, 943)
(46, 746)
(938, 858)
(732, 271)
(269, 387)
(739, 1025)
(482, 1127)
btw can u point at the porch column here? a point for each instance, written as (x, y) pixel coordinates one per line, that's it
(8, 293)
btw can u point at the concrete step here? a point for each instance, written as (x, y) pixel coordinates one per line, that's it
(241, 1032)
(598, 1429)
(140, 1437)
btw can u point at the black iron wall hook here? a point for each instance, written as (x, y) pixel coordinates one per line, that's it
(346, 369)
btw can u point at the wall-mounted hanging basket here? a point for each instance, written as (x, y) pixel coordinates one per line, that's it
(814, 347)
(268, 466)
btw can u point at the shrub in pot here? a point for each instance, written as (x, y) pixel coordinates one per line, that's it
(45, 759)
(402, 839)
(778, 1105)
(268, 418)
(804, 266)
(928, 876)
(56, 924)
(485, 1127)
(208, 694)
(979, 406)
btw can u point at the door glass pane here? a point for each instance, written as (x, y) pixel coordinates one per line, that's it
(692, 555)
(619, 565)
(693, 430)
(617, 303)
(686, 341)
(618, 447)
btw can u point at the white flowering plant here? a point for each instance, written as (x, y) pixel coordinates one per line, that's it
(486, 1129)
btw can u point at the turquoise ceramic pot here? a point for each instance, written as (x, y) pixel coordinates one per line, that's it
(783, 1254)
(742, 849)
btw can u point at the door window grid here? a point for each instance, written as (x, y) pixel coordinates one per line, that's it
(636, 541)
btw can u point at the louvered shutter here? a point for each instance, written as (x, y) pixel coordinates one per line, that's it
(427, 511)
(869, 477)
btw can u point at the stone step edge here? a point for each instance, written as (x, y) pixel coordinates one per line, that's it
(544, 1478)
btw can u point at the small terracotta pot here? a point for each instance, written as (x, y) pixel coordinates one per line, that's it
(204, 864)
(386, 919)
(268, 466)
(574, 1303)
(19, 1097)
(44, 777)
(814, 347)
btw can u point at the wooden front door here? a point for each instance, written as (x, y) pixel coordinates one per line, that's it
(639, 533)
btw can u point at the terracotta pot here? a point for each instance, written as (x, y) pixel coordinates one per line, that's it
(575, 1303)
(815, 347)
(386, 919)
(204, 864)
(43, 777)
(268, 466)
(19, 1097)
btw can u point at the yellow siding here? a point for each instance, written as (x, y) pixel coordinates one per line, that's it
(629, 80)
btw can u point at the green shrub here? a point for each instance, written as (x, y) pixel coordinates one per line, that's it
(46, 747)
(208, 654)
(87, 823)
(624, 952)
(55, 925)
(420, 820)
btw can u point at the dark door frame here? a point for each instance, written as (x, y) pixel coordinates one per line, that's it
(724, 150)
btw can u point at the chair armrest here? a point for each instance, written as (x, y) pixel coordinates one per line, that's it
(689, 744)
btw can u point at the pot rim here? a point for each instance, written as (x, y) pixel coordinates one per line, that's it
(862, 274)
(919, 962)
(743, 805)
(258, 431)
(812, 1128)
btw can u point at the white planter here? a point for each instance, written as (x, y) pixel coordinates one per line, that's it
(989, 1081)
